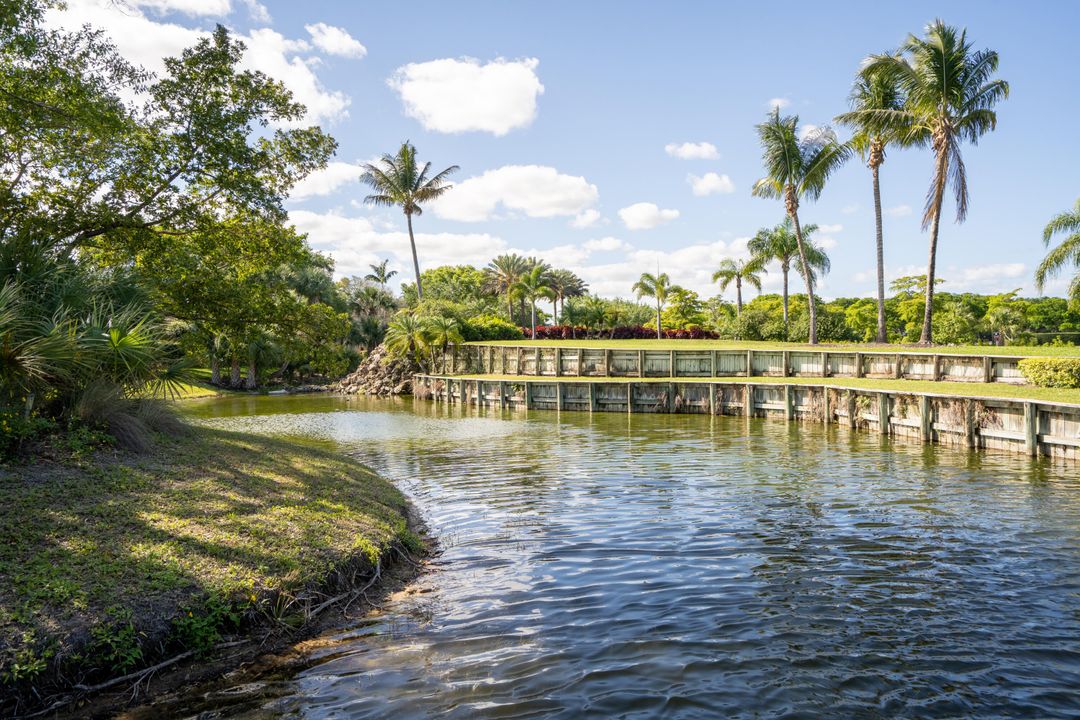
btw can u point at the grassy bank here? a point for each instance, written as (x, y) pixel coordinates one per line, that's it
(974, 390)
(110, 562)
(1007, 350)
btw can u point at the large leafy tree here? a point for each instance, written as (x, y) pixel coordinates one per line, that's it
(658, 287)
(950, 93)
(400, 180)
(872, 95)
(779, 243)
(797, 168)
(1065, 254)
(533, 286)
(743, 271)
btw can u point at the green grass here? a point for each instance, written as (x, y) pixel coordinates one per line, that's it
(974, 390)
(209, 517)
(1008, 350)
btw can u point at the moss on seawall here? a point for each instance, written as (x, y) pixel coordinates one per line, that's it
(112, 563)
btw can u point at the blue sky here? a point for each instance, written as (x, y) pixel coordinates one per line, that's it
(621, 81)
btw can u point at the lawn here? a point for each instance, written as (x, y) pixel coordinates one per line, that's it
(974, 390)
(108, 559)
(1008, 350)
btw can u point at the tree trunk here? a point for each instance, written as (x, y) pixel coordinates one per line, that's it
(534, 323)
(234, 371)
(555, 311)
(659, 332)
(252, 373)
(927, 336)
(785, 268)
(415, 260)
(807, 277)
(215, 366)
(509, 306)
(882, 333)
(738, 297)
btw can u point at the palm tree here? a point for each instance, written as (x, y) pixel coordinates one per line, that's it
(399, 180)
(797, 168)
(381, 273)
(533, 286)
(502, 274)
(780, 244)
(566, 284)
(950, 95)
(658, 287)
(872, 94)
(441, 332)
(739, 272)
(1067, 253)
(407, 336)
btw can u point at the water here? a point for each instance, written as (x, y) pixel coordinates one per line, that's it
(688, 566)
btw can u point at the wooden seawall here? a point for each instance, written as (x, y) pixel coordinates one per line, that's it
(1002, 424)
(599, 362)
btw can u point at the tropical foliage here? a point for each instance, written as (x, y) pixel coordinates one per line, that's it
(1066, 254)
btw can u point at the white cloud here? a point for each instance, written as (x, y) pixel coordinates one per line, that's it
(645, 215)
(354, 243)
(850, 209)
(258, 12)
(536, 190)
(899, 211)
(606, 244)
(830, 229)
(586, 218)
(692, 151)
(710, 184)
(778, 102)
(453, 96)
(988, 278)
(193, 8)
(147, 42)
(327, 181)
(335, 41)
(826, 242)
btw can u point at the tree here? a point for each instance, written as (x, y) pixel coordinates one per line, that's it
(533, 286)
(1065, 254)
(502, 274)
(950, 94)
(381, 273)
(796, 168)
(400, 180)
(872, 94)
(744, 271)
(780, 244)
(659, 288)
(407, 336)
(565, 284)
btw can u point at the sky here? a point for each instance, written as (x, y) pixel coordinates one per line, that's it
(616, 137)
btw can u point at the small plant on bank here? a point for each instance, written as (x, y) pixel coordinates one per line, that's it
(117, 642)
(1052, 372)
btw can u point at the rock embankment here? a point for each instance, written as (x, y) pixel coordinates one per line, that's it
(379, 374)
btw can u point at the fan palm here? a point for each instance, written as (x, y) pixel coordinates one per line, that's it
(407, 336)
(400, 180)
(534, 285)
(1067, 253)
(873, 94)
(780, 244)
(381, 273)
(659, 288)
(441, 332)
(502, 273)
(566, 284)
(796, 168)
(950, 93)
(739, 272)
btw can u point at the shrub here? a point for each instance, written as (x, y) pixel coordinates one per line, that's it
(490, 327)
(1052, 372)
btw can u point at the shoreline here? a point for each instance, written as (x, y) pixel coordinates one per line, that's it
(316, 537)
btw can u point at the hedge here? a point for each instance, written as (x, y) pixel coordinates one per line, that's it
(1052, 372)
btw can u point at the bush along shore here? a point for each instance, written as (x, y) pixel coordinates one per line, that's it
(115, 566)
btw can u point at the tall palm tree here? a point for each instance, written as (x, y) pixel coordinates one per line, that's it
(400, 180)
(533, 286)
(566, 284)
(796, 168)
(950, 94)
(873, 94)
(381, 273)
(659, 288)
(502, 273)
(780, 244)
(739, 272)
(1067, 253)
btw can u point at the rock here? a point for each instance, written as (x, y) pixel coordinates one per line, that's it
(379, 374)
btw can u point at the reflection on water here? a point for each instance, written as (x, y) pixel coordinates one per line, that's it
(688, 566)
